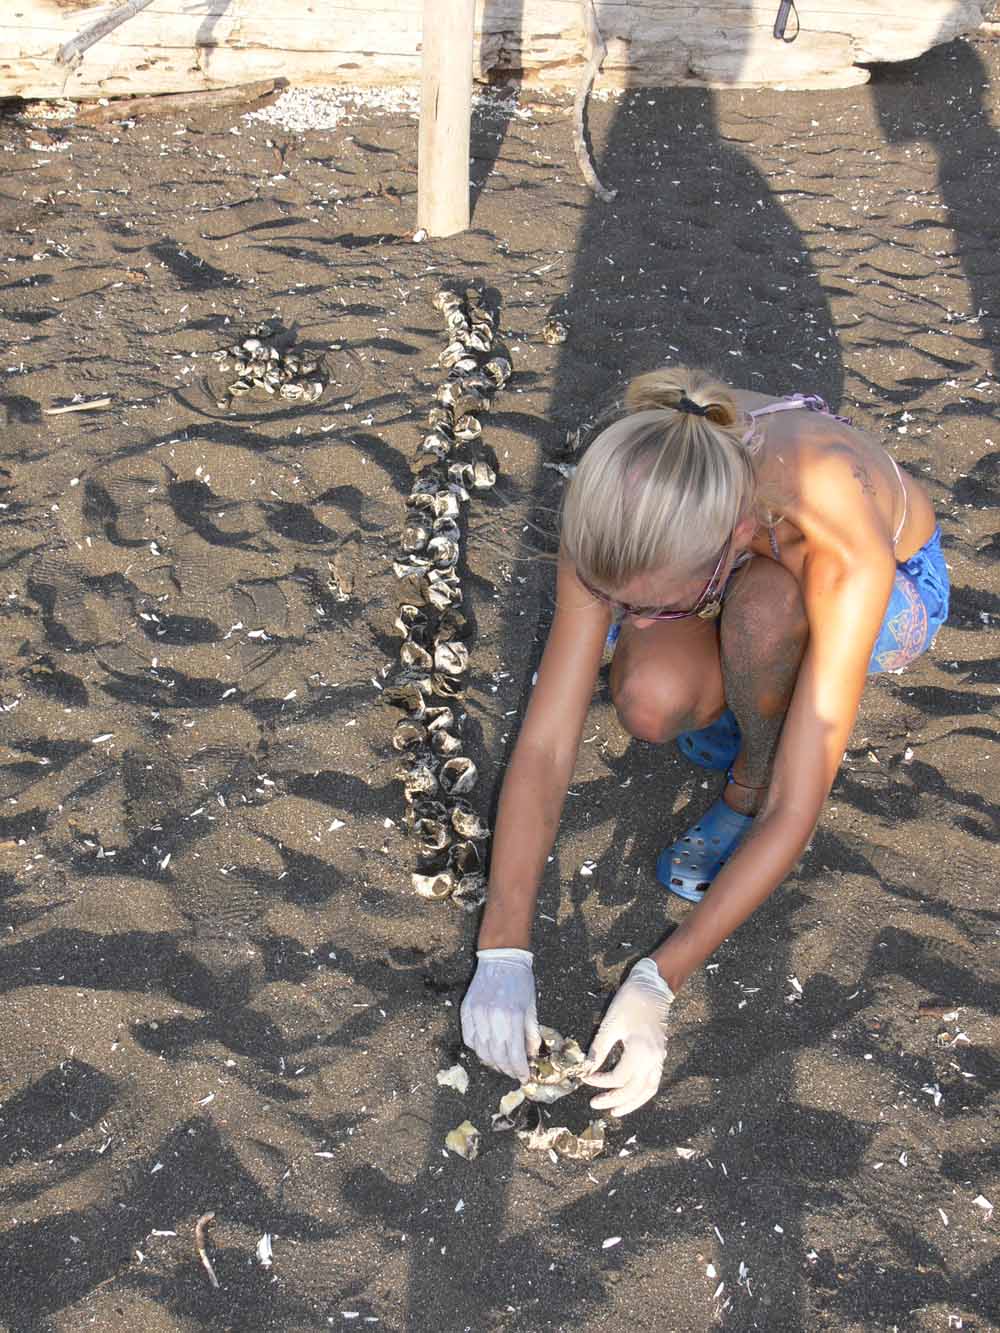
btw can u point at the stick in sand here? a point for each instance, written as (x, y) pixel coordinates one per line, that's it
(87, 406)
(596, 53)
(199, 1243)
(166, 104)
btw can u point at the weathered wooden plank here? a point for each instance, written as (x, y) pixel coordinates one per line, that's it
(178, 46)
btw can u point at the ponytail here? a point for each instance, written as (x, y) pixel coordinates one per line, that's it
(665, 485)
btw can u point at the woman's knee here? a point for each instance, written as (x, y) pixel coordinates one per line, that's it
(655, 704)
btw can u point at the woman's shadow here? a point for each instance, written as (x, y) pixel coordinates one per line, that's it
(696, 261)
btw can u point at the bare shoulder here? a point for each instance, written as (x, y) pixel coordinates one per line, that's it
(840, 493)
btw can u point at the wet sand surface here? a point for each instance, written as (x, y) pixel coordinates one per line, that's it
(220, 992)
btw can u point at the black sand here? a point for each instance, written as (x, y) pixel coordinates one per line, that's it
(844, 243)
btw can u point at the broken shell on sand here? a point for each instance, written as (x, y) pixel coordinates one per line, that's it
(578, 1147)
(554, 332)
(456, 1077)
(464, 1140)
(558, 1068)
(541, 1138)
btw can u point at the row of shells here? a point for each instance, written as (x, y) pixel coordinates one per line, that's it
(429, 681)
(256, 363)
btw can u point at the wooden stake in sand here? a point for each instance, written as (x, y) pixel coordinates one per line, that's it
(72, 51)
(445, 112)
(199, 1244)
(596, 51)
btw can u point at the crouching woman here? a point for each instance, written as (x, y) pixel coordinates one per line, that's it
(757, 558)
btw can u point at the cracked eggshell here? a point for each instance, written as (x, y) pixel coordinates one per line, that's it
(464, 1140)
(434, 886)
(456, 1077)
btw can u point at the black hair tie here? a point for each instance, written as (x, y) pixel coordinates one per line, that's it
(684, 404)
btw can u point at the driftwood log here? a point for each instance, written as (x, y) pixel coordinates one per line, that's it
(174, 46)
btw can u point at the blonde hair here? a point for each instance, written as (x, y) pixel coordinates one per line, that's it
(660, 486)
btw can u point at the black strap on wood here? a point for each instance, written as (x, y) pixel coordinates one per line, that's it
(781, 22)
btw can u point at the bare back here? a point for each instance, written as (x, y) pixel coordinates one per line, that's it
(794, 443)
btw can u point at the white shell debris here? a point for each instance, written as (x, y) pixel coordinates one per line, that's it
(982, 1202)
(686, 1153)
(611, 1242)
(558, 1068)
(264, 1250)
(559, 1139)
(464, 1140)
(504, 1118)
(556, 1071)
(456, 1077)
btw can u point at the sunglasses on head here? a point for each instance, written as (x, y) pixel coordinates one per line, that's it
(707, 606)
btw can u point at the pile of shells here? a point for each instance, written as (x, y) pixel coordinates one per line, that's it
(258, 364)
(429, 682)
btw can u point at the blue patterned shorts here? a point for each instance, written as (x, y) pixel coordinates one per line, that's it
(917, 608)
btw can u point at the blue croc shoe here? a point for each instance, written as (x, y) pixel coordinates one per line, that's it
(688, 866)
(714, 746)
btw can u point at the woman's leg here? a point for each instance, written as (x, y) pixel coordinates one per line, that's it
(763, 636)
(667, 678)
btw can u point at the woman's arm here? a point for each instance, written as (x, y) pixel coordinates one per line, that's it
(847, 581)
(541, 766)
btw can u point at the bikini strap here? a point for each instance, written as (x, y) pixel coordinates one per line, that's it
(787, 404)
(906, 500)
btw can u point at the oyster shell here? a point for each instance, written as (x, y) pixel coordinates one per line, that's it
(446, 504)
(470, 892)
(466, 858)
(433, 834)
(408, 734)
(483, 476)
(444, 742)
(415, 537)
(413, 655)
(468, 428)
(409, 618)
(451, 657)
(447, 687)
(440, 718)
(466, 823)
(445, 299)
(498, 369)
(419, 780)
(458, 776)
(443, 551)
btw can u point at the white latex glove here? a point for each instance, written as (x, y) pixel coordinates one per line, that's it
(499, 1019)
(637, 1018)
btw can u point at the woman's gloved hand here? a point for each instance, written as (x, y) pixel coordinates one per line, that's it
(637, 1018)
(499, 1019)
